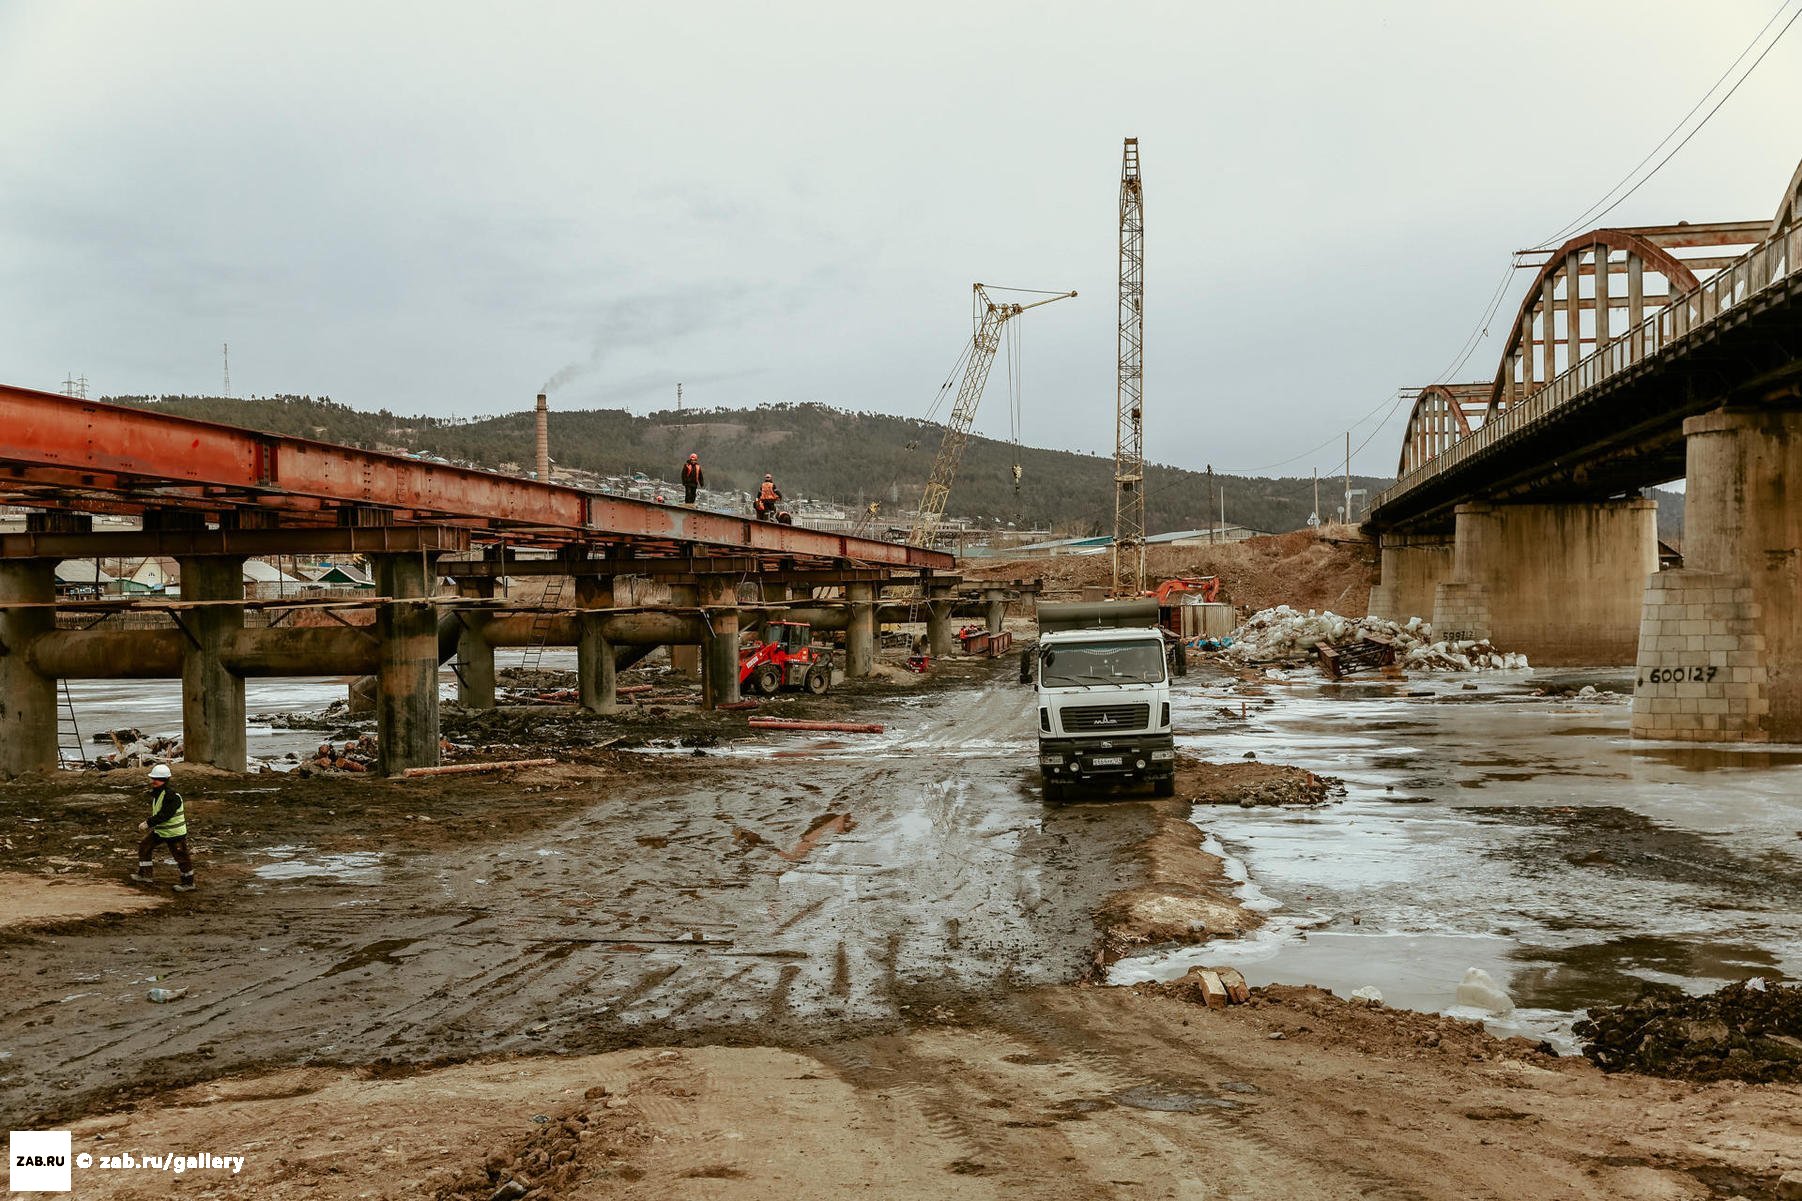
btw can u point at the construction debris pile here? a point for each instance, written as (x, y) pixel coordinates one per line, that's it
(132, 749)
(1751, 1031)
(1215, 987)
(1284, 635)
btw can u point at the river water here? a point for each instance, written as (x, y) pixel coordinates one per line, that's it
(1487, 827)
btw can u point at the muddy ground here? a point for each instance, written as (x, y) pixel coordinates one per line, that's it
(804, 967)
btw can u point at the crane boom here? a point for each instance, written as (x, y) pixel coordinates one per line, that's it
(1129, 394)
(983, 345)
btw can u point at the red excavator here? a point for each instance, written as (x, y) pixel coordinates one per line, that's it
(786, 658)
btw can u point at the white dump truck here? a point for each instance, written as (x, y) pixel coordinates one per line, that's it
(1103, 676)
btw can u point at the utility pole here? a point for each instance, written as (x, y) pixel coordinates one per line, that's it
(225, 348)
(1348, 512)
(1209, 510)
(1223, 511)
(678, 398)
(1316, 520)
(1129, 388)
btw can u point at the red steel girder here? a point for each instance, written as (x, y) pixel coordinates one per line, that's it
(120, 449)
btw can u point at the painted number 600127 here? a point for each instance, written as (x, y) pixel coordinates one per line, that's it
(1680, 675)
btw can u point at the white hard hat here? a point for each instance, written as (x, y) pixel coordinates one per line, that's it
(160, 772)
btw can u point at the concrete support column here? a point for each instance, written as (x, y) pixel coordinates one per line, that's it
(27, 699)
(938, 622)
(1727, 664)
(1412, 569)
(860, 634)
(719, 653)
(475, 654)
(1561, 583)
(212, 698)
(684, 660)
(596, 665)
(406, 630)
(996, 602)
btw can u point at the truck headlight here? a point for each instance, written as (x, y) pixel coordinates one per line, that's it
(1051, 760)
(1156, 756)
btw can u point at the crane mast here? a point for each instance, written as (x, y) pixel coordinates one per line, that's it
(1129, 394)
(983, 345)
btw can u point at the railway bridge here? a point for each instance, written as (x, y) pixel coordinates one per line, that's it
(210, 496)
(1638, 357)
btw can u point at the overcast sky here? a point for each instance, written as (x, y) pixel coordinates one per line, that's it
(439, 207)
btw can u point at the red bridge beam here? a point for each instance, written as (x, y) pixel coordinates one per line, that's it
(119, 449)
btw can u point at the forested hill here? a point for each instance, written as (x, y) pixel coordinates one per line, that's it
(813, 451)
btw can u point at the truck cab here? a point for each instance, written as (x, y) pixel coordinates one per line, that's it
(1103, 681)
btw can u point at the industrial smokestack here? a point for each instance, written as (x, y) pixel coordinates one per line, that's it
(544, 440)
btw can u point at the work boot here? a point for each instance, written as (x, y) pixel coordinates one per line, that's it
(185, 886)
(141, 877)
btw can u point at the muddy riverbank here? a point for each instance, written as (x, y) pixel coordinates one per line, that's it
(819, 963)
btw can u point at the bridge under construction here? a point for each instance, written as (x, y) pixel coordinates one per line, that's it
(211, 496)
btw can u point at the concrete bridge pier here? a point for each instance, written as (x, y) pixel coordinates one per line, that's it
(596, 663)
(27, 698)
(938, 621)
(406, 631)
(719, 649)
(1720, 656)
(212, 696)
(860, 634)
(995, 603)
(684, 659)
(1559, 583)
(475, 654)
(1413, 567)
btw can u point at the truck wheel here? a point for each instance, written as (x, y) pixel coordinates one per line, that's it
(1164, 786)
(768, 679)
(819, 680)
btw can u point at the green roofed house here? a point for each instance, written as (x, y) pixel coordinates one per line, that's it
(340, 575)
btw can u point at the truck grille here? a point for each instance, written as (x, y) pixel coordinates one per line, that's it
(1107, 717)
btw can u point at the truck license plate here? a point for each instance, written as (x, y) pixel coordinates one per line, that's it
(1107, 761)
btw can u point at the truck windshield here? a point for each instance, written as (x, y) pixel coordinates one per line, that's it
(1074, 666)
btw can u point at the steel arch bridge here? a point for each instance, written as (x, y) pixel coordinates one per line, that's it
(1605, 301)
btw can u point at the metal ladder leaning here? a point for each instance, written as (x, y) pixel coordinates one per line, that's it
(69, 749)
(541, 624)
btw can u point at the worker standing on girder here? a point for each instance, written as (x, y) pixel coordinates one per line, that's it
(768, 495)
(167, 825)
(693, 479)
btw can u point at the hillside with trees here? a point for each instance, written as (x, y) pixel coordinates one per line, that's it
(814, 451)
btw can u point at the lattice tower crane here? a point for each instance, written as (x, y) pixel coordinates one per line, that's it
(980, 356)
(1129, 392)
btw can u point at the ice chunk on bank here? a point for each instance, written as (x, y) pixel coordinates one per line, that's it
(1479, 990)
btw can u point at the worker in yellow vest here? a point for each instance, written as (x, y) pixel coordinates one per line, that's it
(168, 825)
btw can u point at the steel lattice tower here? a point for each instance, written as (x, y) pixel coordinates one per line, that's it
(1129, 436)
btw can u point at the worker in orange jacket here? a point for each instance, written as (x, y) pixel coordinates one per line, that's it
(693, 480)
(768, 495)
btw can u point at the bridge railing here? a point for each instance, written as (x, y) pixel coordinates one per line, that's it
(1767, 264)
